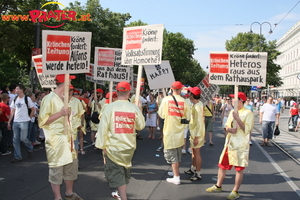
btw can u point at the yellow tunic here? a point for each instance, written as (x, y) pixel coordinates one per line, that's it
(116, 131)
(58, 145)
(140, 104)
(83, 128)
(238, 144)
(197, 126)
(173, 129)
(76, 112)
(207, 113)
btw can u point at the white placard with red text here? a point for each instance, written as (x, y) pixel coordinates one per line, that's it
(208, 91)
(90, 76)
(142, 45)
(66, 52)
(108, 66)
(46, 80)
(160, 76)
(238, 68)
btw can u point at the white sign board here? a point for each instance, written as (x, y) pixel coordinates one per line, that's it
(46, 80)
(160, 76)
(66, 52)
(90, 76)
(142, 45)
(108, 66)
(238, 68)
(208, 91)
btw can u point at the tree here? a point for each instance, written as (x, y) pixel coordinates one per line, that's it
(249, 42)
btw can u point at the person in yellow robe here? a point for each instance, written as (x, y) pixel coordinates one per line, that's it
(60, 151)
(197, 131)
(173, 111)
(117, 138)
(236, 148)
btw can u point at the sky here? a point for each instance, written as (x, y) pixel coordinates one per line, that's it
(209, 23)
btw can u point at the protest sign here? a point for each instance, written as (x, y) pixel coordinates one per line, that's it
(90, 76)
(66, 52)
(238, 68)
(208, 91)
(142, 45)
(108, 66)
(46, 80)
(160, 76)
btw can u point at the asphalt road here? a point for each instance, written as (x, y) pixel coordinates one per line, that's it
(271, 175)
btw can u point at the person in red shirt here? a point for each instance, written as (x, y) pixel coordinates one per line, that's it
(4, 116)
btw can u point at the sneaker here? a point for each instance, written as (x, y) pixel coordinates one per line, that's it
(195, 177)
(171, 173)
(183, 151)
(93, 143)
(116, 195)
(85, 142)
(15, 160)
(233, 195)
(158, 128)
(160, 149)
(214, 188)
(190, 151)
(189, 172)
(250, 142)
(172, 180)
(6, 154)
(74, 196)
(37, 142)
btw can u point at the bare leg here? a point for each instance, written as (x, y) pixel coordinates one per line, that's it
(175, 169)
(56, 191)
(210, 137)
(238, 180)
(221, 176)
(196, 157)
(93, 133)
(122, 192)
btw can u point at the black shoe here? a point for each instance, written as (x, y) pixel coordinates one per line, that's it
(15, 160)
(189, 172)
(30, 153)
(195, 177)
(139, 137)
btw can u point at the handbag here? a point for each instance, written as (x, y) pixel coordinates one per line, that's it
(95, 116)
(277, 131)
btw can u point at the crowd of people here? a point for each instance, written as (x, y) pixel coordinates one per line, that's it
(33, 117)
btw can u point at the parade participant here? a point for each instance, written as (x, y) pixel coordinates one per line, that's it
(173, 108)
(226, 108)
(20, 115)
(117, 138)
(61, 155)
(197, 131)
(236, 149)
(4, 116)
(209, 119)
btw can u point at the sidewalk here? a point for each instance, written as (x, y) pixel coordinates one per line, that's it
(287, 141)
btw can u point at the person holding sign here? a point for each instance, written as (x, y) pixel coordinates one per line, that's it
(118, 138)
(176, 113)
(236, 149)
(60, 151)
(197, 130)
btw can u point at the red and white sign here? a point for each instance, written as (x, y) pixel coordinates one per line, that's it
(142, 45)
(90, 76)
(208, 91)
(66, 52)
(175, 110)
(124, 122)
(46, 80)
(238, 68)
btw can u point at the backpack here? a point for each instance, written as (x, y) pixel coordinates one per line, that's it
(26, 102)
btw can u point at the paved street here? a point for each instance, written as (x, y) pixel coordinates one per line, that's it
(271, 175)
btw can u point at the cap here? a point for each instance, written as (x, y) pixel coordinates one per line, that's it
(177, 85)
(195, 91)
(241, 95)
(72, 87)
(60, 78)
(99, 90)
(76, 91)
(294, 104)
(114, 95)
(123, 86)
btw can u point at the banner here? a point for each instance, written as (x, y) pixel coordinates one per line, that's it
(208, 91)
(108, 66)
(238, 68)
(142, 45)
(46, 80)
(90, 76)
(66, 52)
(160, 76)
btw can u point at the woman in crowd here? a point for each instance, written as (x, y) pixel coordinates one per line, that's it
(151, 116)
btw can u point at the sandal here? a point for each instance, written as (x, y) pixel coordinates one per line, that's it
(82, 151)
(211, 144)
(262, 144)
(268, 144)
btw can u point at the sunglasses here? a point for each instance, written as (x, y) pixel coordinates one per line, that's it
(228, 99)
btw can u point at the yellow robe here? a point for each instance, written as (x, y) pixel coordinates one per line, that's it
(173, 129)
(76, 112)
(116, 131)
(238, 144)
(197, 126)
(58, 145)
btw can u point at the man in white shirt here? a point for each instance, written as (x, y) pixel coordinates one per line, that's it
(269, 114)
(21, 117)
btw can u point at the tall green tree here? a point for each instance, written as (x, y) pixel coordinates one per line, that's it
(249, 42)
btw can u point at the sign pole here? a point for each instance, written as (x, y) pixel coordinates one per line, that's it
(236, 90)
(95, 93)
(110, 90)
(138, 85)
(66, 100)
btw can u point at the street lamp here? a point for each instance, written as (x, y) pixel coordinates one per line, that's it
(260, 29)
